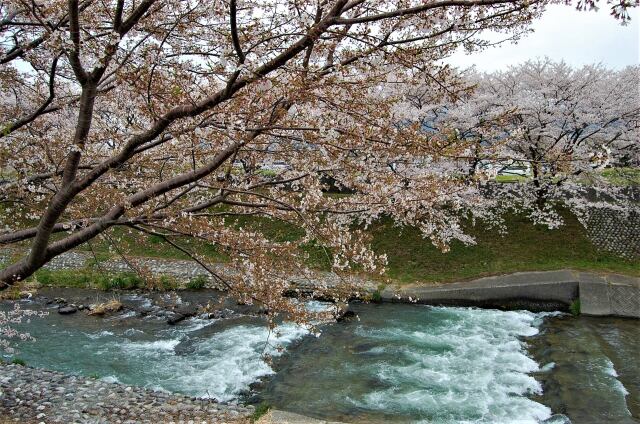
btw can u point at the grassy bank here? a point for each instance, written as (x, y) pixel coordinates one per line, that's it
(622, 176)
(411, 258)
(526, 247)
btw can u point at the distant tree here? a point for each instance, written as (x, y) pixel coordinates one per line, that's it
(567, 122)
(131, 114)
(563, 124)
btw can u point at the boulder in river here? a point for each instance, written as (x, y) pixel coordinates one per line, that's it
(186, 310)
(67, 310)
(106, 307)
(174, 318)
(343, 311)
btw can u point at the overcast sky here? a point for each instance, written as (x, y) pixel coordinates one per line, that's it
(564, 33)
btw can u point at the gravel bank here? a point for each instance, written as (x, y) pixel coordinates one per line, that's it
(30, 395)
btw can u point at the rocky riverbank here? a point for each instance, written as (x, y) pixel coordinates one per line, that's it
(30, 395)
(150, 323)
(171, 307)
(312, 283)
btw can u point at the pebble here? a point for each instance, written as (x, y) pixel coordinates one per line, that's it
(123, 404)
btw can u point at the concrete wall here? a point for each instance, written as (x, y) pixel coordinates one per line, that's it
(609, 295)
(599, 295)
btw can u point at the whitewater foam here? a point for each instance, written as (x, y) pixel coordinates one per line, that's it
(132, 331)
(548, 367)
(220, 366)
(99, 335)
(611, 371)
(129, 314)
(466, 362)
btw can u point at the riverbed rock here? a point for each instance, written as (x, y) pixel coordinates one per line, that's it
(173, 318)
(557, 419)
(67, 310)
(186, 310)
(282, 417)
(96, 401)
(343, 311)
(145, 310)
(217, 314)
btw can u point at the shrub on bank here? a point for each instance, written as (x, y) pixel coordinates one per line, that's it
(197, 283)
(84, 278)
(260, 410)
(574, 308)
(120, 282)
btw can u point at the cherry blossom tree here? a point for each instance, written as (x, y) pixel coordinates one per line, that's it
(563, 124)
(134, 114)
(570, 122)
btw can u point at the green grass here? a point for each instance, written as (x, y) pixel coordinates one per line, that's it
(18, 361)
(411, 258)
(622, 176)
(260, 410)
(66, 278)
(376, 297)
(510, 178)
(618, 176)
(197, 283)
(133, 243)
(272, 229)
(88, 277)
(280, 231)
(122, 281)
(167, 282)
(574, 308)
(526, 247)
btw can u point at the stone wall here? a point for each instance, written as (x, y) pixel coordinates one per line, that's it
(615, 232)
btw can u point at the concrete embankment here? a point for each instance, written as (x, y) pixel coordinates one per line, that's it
(599, 295)
(283, 417)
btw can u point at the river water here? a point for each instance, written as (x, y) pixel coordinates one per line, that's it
(393, 363)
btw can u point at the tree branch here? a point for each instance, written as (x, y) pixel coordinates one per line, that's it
(234, 31)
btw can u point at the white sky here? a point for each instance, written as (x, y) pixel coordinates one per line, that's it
(564, 33)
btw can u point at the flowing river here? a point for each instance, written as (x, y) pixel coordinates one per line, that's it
(392, 363)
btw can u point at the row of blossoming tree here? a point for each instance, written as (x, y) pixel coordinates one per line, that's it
(554, 126)
(159, 117)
